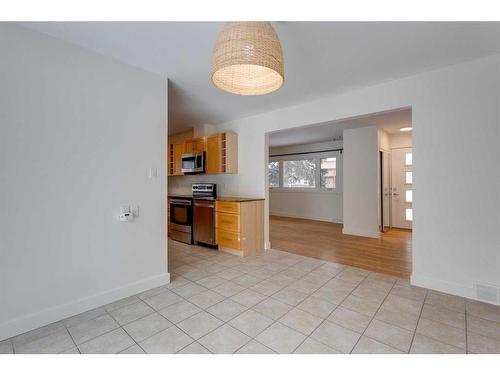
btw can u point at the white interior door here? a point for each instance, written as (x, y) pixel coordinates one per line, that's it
(402, 192)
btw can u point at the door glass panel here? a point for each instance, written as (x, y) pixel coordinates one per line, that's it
(409, 178)
(409, 196)
(409, 214)
(409, 158)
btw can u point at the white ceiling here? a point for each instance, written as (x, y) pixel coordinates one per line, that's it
(390, 121)
(321, 58)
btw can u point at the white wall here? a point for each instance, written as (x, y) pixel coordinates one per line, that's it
(361, 196)
(314, 204)
(78, 133)
(317, 205)
(456, 204)
(401, 140)
(384, 142)
(203, 130)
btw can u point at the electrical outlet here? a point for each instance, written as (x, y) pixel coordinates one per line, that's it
(128, 213)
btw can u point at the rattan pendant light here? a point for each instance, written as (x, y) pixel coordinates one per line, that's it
(248, 59)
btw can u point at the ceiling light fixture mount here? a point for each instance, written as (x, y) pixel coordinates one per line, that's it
(248, 59)
(406, 129)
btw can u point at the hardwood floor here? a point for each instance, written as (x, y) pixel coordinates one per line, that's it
(390, 254)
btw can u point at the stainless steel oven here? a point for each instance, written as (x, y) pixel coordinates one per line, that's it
(181, 219)
(193, 163)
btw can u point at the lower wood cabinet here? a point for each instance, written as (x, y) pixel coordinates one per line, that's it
(226, 238)
(240, 226)
(230, 222)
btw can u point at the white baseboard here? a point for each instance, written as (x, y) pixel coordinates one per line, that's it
(359, 232)
(53, 314)
(309, 217)
(443, 286)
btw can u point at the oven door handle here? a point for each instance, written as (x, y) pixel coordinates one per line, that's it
(204, 205)
(180, 202)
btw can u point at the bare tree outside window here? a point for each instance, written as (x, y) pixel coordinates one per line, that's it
(274, 174)
(299, 173)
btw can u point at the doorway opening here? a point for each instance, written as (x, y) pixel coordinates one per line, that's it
(342, 192)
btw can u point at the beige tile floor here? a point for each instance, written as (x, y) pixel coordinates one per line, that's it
(274, 303)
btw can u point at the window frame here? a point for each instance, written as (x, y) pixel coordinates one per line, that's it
(280, 183)
(319, 173)
(317, 156)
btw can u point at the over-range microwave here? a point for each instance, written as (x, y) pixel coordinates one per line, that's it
(193, 162)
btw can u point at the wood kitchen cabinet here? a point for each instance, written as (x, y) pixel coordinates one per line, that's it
(240, 226)
(175, 151)
(195, 145)
(222, 153)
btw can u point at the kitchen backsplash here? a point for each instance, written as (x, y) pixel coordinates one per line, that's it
(182, 184)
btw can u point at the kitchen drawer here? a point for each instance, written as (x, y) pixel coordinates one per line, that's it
(227, 221)
(228, 239)
(230, 207)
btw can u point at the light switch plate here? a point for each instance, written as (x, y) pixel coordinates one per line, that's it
(152, 172)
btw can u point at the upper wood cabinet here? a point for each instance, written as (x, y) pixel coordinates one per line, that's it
(195, 145)
(222, 153)
(178, 150)
(213, 158)
(175, 151)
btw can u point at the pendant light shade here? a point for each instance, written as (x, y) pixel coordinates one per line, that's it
(248, 59)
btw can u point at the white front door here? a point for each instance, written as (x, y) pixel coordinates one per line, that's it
(386, 189)
(402, 193)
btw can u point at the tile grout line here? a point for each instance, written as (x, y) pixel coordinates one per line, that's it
(108, 331)
(72, 339)
(311, 270)
(445, 324)
(267, 297)
(418, 321)
(122, 326)
(124, 330)
(466, 332)
(310, 294)
(274, 269)
(326, 319)
(371, 320)
(175, 324)
(251, 307)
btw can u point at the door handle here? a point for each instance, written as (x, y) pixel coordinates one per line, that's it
(204, 205)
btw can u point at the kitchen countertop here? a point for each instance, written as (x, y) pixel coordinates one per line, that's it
(222, 199)
(239, 199)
